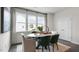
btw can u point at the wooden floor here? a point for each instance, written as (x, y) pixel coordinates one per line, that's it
(64, 46)
(74, 47)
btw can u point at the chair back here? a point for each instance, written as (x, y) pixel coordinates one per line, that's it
(44, 41)
(54, 38)
(29, 45)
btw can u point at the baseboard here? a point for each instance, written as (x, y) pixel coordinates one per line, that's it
(9, 48)
(74, 42)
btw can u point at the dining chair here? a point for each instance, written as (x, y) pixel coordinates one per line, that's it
(54, 40)
(44, 42)
(29, 45)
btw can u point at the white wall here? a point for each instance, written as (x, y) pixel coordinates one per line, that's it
(4, 42)
(73, 14)
(50, 21)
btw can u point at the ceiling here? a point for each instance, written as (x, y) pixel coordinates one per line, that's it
(46, 9)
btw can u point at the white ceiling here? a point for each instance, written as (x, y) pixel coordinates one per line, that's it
(46, 9)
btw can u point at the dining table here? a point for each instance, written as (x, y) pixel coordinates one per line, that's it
(40, 34)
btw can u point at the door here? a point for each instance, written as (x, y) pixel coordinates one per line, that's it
(64, 28)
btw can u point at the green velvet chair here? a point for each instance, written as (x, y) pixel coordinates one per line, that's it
(54, 40)
(44, 42)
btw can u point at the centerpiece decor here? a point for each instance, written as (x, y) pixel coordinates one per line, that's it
(40, 28)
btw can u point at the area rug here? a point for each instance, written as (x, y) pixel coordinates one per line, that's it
(62, 48)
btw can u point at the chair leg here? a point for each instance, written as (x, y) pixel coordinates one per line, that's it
(57, 46)
(42, 49)
(48, 48)
(53, 47)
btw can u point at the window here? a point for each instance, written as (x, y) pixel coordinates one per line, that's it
(41, 21)
(28, 21)
(20, 22)
(31, 22)
(34, 21)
